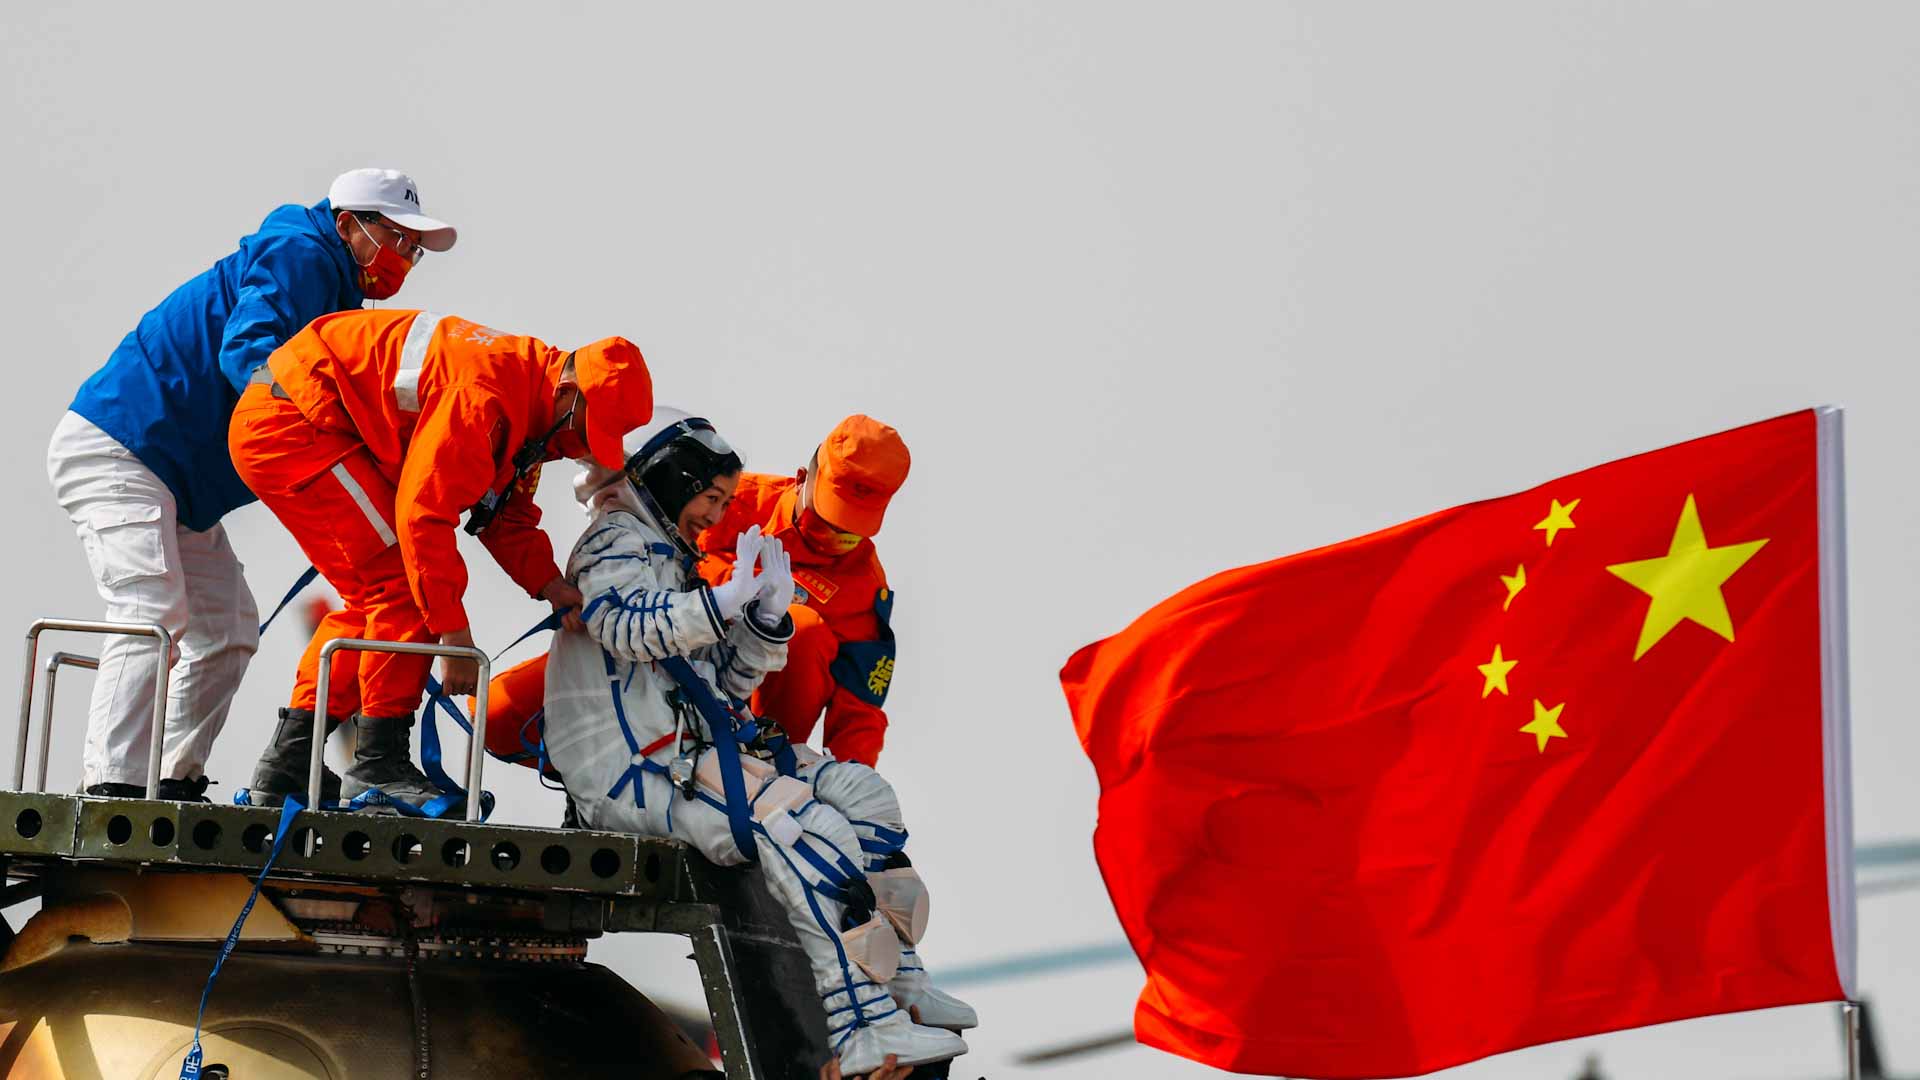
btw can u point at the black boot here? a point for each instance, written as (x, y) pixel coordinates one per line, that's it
(194, 790)
(283, 767)
(383, 758)
(116, 791)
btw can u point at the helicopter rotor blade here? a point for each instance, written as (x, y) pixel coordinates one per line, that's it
(1095, 1044)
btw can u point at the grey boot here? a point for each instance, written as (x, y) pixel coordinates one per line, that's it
(282, 770)
(383, 758)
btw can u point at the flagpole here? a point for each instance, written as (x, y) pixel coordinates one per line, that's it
(1850, 1024)
(1836, 736)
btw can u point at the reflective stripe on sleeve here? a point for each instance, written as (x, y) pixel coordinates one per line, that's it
(359, 495)
(413, 354)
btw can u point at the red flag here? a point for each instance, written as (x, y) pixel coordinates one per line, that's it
(1538, 767)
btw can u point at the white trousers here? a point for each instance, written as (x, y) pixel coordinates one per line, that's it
(149, 568)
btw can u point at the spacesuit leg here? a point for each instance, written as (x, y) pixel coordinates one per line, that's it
(864, 1024)
(872, 808)
(868, 803)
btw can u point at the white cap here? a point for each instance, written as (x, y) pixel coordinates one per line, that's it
(395, 196)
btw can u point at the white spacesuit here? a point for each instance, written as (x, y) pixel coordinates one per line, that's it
(626, 726)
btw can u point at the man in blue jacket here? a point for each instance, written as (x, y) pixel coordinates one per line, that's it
(140, 463)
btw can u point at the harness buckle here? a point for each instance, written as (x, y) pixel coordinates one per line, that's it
(680, 771)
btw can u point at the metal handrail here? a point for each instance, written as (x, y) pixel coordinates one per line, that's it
(88, 626)
(476, 747)
(54, 664)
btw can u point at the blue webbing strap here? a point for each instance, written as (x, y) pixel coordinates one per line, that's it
(537, 752)
(305, 579)
(785, 761)
(726, 742)
(635, 764)
(190, 1067)
(551, 622)
(437, 699)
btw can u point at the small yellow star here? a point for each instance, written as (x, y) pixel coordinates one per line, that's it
(1685, 582)
(1496, 672)
(1558, 517)
(1546, 724)
(1514, 584)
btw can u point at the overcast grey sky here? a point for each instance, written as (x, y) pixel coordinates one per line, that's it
(1150, 290)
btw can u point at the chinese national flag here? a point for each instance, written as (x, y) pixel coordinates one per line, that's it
(1538, 767)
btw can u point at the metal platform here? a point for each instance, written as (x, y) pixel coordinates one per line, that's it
(467, 882)
(449, 890)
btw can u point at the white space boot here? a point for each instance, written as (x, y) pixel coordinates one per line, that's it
(865, 1048)
(912, 989)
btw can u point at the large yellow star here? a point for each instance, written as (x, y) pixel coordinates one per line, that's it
(1685, 582)
(1496, 672)
(1558, 517)
(1514, 584)
(1545, 725)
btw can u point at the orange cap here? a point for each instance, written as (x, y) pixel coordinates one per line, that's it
(861, 464)
(614, 380)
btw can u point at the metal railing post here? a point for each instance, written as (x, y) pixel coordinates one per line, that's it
(476, 747)
(95, 626)
(54, 664)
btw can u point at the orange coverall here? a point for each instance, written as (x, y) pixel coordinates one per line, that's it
(381, 429)
(840, 660)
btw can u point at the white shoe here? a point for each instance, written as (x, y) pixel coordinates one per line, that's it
(866, 1049)
(912, 988)
(934, 1007)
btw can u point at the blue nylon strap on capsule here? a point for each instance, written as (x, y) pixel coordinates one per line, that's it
(190, 1066)
(305, 579)
(430, 757)
(551, 622)
(537, 751)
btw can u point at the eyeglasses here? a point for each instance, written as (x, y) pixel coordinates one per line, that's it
(405, 246)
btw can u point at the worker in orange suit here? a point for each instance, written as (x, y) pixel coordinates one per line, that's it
(368, 434)
(840, 661)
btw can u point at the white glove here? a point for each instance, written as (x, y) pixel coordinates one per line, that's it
(776, 584)
(731, 597)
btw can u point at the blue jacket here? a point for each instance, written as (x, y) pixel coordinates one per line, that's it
(168, 391)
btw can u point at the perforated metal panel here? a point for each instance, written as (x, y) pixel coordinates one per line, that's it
(125, 830)
(37, 823)
(379, 847)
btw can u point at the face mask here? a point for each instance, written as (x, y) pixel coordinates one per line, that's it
(824, 538)
(383, 276)
(565, 441)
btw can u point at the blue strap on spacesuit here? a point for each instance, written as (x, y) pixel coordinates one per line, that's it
(636, 764)
(781, 748)
(726, 740)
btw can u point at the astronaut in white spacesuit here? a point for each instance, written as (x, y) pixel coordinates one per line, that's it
(643, 720)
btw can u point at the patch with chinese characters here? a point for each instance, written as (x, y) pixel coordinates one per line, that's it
(817, 587)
